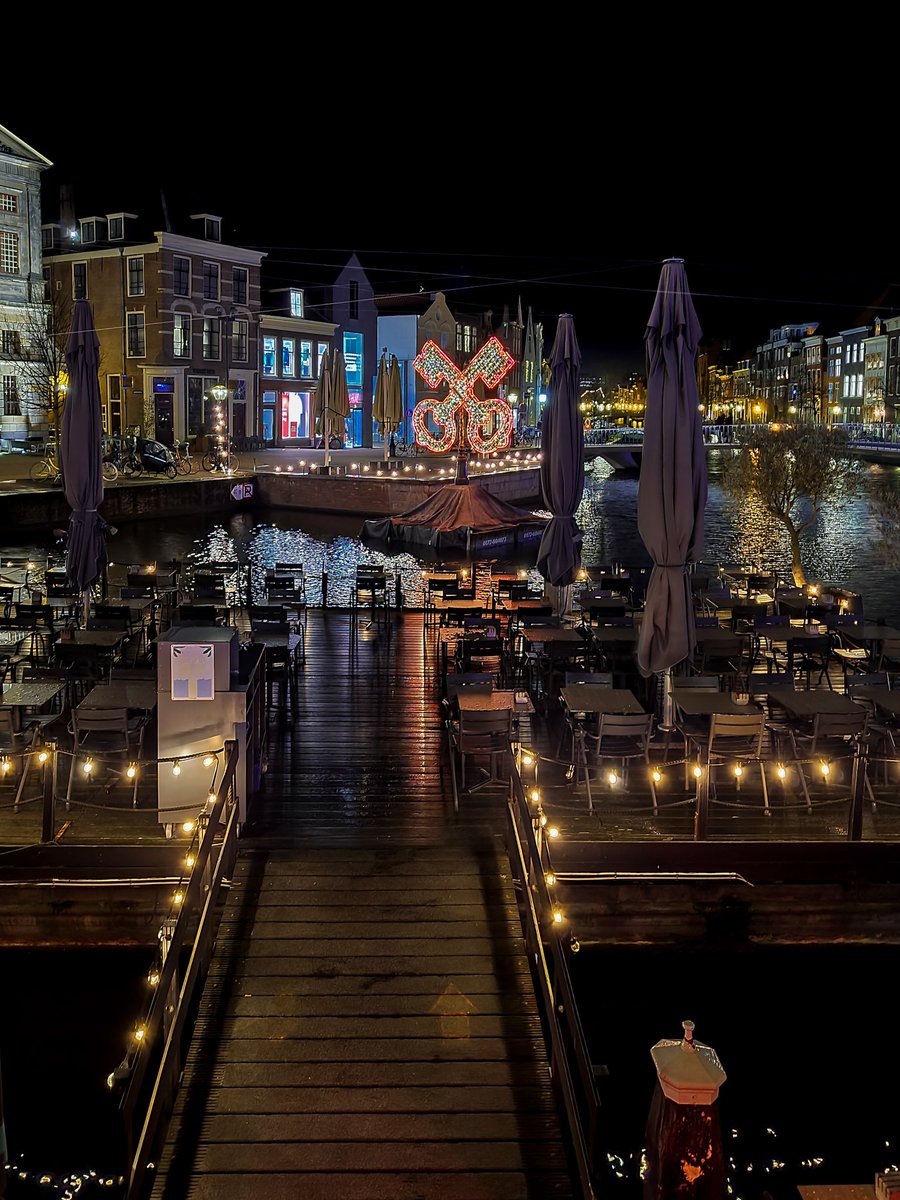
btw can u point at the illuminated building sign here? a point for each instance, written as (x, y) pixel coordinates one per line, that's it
(484, 425)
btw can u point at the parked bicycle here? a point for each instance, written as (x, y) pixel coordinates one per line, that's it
(184, 462)
(47, 469)
(218, 458)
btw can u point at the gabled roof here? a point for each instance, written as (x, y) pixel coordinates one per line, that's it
(10, 144)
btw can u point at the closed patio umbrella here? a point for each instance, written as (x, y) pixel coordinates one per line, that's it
(562, 463)
(81, 454)
(380, 398)
(337, 410)
(393, 412)
(322, 397)
(673, 485)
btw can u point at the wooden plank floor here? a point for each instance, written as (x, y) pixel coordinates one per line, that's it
(369, 1027)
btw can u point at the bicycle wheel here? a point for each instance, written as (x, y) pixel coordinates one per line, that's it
(208, 462)
(232, 463)
(131, 468)
(183, 465)
(110, 472)
(171, 471)
(42, 471)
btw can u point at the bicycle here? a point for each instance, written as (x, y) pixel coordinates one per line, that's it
(181, 453)
(47, 470)
(220, 459)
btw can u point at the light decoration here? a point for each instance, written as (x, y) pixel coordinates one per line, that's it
(491, 364)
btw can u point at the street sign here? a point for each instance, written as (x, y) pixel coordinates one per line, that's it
(242, 491)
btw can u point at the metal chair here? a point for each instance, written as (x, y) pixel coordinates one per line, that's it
(735, 739)
(108, 733)
(481, 734)
(621, 739)
(830, 736)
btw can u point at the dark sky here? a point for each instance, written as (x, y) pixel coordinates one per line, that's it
(586, 236)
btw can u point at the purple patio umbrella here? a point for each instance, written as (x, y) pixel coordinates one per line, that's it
(562, 460)
(672, 488)
(81, 453)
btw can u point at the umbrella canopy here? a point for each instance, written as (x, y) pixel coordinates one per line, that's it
(562, 461)
(380, 397)
(81, 452)
(672, 488)
(337, 409)
(393, 411)
(322, 398)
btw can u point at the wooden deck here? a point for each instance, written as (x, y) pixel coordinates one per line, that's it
(369, 1028)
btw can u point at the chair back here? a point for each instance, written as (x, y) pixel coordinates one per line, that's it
(622, 734)
(474, 682)
(706, 683)
(485, 729)
(198, 612)
(832, 727)
(111, 723)
(541, 615)
(737, 734)
(268, 612)
(598, 678)
(872, 679)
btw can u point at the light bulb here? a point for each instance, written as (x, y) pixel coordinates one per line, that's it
(43, 756)
(87, 767)
(657, 776)
(553, 832)
(557, 917)
(781, 772)
(738, 770)
(176, 768)
(188, 826)
(209, 760)
(132, 771)
(550, 879)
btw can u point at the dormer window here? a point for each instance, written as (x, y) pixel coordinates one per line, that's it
(88, 231)
(296, 302)
(116, 229)
(49, 237)
(212, 226)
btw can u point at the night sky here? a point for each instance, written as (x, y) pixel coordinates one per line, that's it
(585, 236)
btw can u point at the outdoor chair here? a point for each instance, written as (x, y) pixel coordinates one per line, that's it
(619, 740)
(481, 734)
(808, 657)
(832, 738)
(110, 735)
(733, 741)
(574, 721)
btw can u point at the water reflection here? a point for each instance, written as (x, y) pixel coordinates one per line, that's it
(840, 548)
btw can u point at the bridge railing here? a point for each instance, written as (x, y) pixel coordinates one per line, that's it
(151, 1073)
(570, 1062)
(872, 433)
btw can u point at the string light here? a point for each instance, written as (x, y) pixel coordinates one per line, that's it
(153, 977)
(824, 768)
(87, 766)
(178, 897)
(781, 772)
(553, 832)
(131, 771)
(176, 768)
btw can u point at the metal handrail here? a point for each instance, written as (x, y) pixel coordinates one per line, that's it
(155, 1074)
(570, 1060)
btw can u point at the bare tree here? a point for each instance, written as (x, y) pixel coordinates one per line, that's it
(795, 472)
(39, 354)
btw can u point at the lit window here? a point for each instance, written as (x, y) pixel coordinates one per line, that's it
(210, 281)
(240, 340)
(239, 280)
(296, 302)
(287, 356)
(181, 276)
(182, 345)
(136, 276)
(10, 343)
(268, 356)
(306, 360)
(136, 336)
(9, 393)
(9, 202)
(211, 337)
(9, 253)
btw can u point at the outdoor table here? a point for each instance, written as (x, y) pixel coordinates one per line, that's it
(717, 635)
(33, 693)
(122, 693)
(100, 639)
(885, 699)
(615, 633)
(516, 702)
(539, 635)
(595, 698)
(812, 702)
(526, 603)
(698, 702)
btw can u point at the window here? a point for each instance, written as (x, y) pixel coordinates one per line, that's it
(287, 356)
(240, 340)
(88, 231)
(322, 348)
(136, 275)
(353, 359)
(134, 322)
(212, 229)
(10, 395)
(306, 360)
(116, 229)
(182, 344)
(354, 300)
(466, 338)
(296, 302)
(9, 253)
(269, 356)
(9, 202)
(79, 281)
(239, 281)
(210, 281)
(212, 329)
(48, 237)
(10, 343)
(181, 276)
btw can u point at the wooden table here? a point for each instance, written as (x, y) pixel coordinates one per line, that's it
(523, 605)
(100, 639)
(122, 693)
(539, 635)
(615, 633)
(595, 698)
(885, 699)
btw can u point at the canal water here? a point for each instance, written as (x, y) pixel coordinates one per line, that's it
(807, 1036)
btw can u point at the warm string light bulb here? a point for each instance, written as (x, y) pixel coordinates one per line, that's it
(87, 766)
(176, 768)
(131, 771)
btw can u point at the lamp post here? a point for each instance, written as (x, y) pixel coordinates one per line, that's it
(219, 394)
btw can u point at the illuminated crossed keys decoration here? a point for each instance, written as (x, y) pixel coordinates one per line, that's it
(487, 423)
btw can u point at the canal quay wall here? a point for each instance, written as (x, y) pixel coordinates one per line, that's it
(33, 507)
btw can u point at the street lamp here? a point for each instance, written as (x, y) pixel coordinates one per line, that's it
(218, 393)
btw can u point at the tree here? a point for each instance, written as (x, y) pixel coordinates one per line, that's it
(795, 472)
(40, 357)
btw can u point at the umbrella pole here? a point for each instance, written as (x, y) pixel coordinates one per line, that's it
(668, 712)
